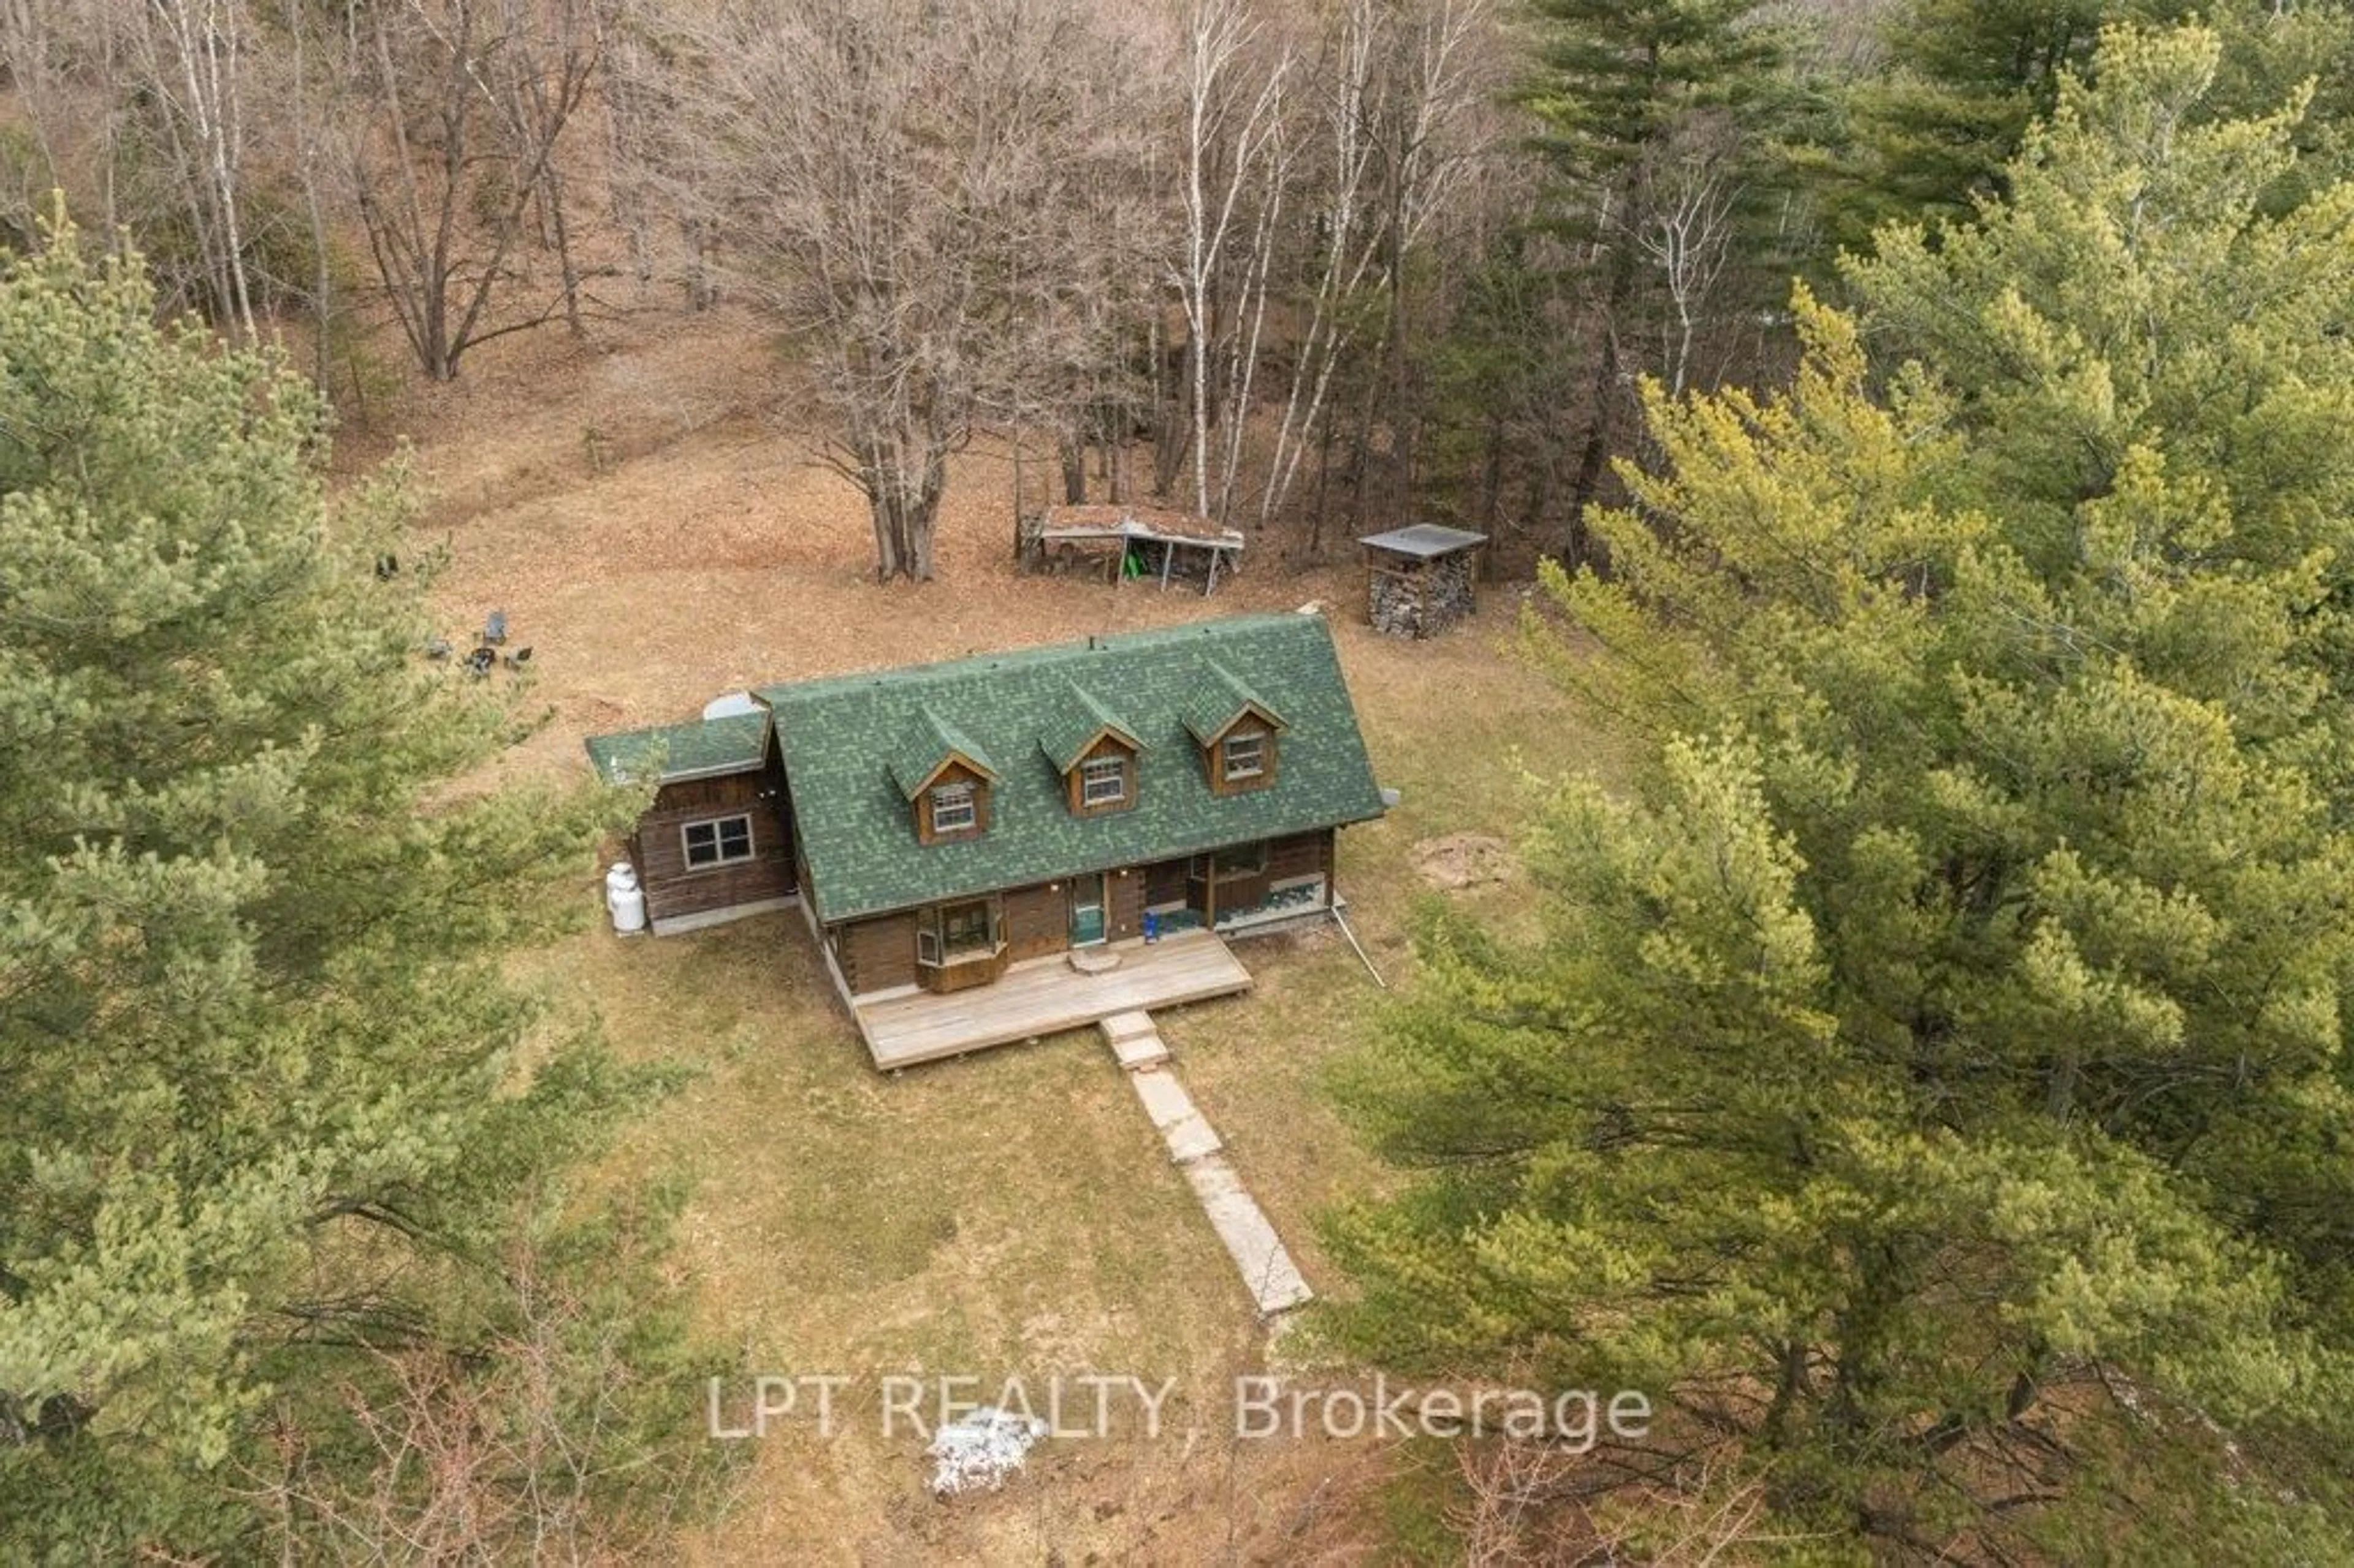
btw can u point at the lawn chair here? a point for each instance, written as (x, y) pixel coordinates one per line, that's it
(495, 630)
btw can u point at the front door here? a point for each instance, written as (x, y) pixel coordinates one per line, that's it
(1088, 909)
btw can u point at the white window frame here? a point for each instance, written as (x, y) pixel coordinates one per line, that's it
(1256, 768)
(1097, 770)
(719, 855)
(963, 799)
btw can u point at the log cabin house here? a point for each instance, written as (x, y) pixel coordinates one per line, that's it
(942, 824)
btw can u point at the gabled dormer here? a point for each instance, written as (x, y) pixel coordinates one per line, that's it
(946, 780)
(1096, 752)
(1240, 734)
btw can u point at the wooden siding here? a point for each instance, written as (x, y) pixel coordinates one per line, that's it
(1074, 782)
(658, 848)
(1124, 902)
(953, 773)
(877, 954)
(1164, 882)
(1214, 757)
(962, 974)
(1302, 854)
(1037, 920)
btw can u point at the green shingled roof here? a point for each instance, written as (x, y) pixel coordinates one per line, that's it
(695, 750)
(1068, 733)
(843, 739)
(1220, 700)
(926, 743)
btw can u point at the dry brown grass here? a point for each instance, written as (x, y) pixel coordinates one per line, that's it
(1012, 1212)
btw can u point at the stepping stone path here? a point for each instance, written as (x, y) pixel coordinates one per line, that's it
(1134, 1040)
(1195, 1147)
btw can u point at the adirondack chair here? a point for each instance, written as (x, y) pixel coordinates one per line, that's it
(495, 630)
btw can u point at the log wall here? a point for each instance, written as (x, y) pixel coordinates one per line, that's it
(1037, 921)
(658, 848)
(1124, 904)
(877, 954)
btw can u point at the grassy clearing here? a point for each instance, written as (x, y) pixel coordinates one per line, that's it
(1012, 1212)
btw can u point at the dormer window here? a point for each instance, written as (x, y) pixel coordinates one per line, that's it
(1095, 750)
(1103, 782)
(954, 805)
(945, 777)
(955, 808)
(1244, 758)
(1102, 779)
(1235, 730)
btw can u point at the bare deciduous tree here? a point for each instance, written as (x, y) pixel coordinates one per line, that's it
(902, 185)
(1399, 89)
(533, 1445)
(1689, 184)
(192, 54)
(1232, 141)
(458, 108)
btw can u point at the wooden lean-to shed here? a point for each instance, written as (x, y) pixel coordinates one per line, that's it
(1421, 580)
(1150, 541)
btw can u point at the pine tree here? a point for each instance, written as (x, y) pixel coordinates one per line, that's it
(258, 1089)
(1935, 1073)
(1653, 116)
(1931, 131)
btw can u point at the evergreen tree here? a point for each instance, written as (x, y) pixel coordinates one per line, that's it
(1652, 117)
(1931, 131)
(1935, 1073)
(1962, 81)
(259, 1102)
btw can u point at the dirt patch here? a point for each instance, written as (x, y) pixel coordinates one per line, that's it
(659, 533)
(1462, 860)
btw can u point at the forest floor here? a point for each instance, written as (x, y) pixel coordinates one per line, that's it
(658, 535)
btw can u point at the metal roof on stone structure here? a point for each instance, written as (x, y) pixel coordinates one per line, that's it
(1426, 540)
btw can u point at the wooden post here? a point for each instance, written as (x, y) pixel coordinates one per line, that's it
(1217, 554)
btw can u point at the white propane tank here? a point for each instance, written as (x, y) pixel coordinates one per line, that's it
(625, 898)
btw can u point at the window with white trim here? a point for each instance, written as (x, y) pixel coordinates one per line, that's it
(948, 932)
(954, 809)
(1103, 781)
(1245, 754)
(723, 840)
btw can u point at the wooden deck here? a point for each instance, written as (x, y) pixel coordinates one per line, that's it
(1044, 996)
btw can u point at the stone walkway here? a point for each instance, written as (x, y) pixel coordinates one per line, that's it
(1195, 1147)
